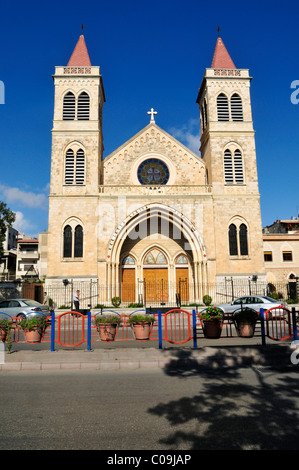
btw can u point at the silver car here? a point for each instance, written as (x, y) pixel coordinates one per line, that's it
(255, 302)
(23, 308)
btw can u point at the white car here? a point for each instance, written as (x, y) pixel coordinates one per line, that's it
(255, 302)
(23, 308)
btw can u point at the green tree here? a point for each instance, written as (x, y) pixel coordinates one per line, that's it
(7, 218)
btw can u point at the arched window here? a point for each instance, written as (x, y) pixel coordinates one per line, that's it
(233, 243)
(69, 105)
(128, 261)
(238, 239)
(228, 167)
(222, 107)
(69, 167)
(83, 107)
(80, 166)
(74, 167)
(243, 240)
(236, 107)
(155, 257)
(238, 167)
(73, 240)
(78, 245)
(181, 259)
(67, 242)
(233, 167)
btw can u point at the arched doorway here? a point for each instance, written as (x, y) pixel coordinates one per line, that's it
(155, 276)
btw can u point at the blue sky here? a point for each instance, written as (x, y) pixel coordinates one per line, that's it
(151, 54)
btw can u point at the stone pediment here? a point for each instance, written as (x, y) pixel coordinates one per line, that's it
(185, 167)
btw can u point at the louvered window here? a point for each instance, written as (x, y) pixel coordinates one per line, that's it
(83, 107)
(222, 107)
(78, 245)
(69, 107)
(238, 167)
(236, 107)
(67, 242)
(228, 167)
(232, 236)
(80, 166)
(69, 167)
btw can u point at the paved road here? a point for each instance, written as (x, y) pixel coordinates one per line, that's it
(160, 410)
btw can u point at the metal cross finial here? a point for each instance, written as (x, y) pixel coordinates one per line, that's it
(82, 27)
(218, 29)
(152, 112)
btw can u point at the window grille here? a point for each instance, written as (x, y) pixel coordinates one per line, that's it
(236, 107)
(69, 167)
(69, 107)
(222, 107)
(80, 166)
(83, 107)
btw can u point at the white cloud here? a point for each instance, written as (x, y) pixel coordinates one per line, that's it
(189, 135)
(26, 198)
(22, 225)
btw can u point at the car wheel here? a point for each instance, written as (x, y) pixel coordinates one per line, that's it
(21, 315)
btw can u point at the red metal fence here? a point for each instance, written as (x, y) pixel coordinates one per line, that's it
(176, 326)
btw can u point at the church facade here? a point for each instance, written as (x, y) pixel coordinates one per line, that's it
(180, 222)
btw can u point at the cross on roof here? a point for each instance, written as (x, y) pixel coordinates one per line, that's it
(152, 112)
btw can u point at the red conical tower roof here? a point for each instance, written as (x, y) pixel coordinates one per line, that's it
(221, 58)
(80, 56)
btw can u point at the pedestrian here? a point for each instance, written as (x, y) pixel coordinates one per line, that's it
(46, 299)
(76, 300)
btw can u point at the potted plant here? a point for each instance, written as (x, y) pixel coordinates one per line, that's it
(5, 327)
(245, 320)
(212, 322)
(141, 325)
(33, 328)
(107, 326)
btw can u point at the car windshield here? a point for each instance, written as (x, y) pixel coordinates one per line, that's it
(31, 303)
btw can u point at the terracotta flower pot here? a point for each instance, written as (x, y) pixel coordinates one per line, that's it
(3, 334)
(107, 331)
(212, 328)
(33, 336)
(142, 330)
(245, 329)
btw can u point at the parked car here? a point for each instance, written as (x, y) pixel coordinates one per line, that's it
(255, 302)
(23, 308)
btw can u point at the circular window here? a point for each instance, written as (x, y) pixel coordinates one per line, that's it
(153, 171)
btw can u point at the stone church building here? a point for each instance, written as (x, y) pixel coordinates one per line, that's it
(153, 219)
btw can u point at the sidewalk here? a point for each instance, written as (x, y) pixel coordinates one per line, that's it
(209, 354)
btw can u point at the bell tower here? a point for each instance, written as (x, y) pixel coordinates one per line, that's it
(227, 134)
(77, 139)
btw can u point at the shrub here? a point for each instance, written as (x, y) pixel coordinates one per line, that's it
(116, 301)
(207, 300)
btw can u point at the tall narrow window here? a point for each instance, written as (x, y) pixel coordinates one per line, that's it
(222, 107)
(238, 167)
(69, 167)
(228, 167)
(69, 107)
(80, 166)
(233, 243)
(243, 240)
(83, 107)
(78, 245)
(236, 107)
(67, 242)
